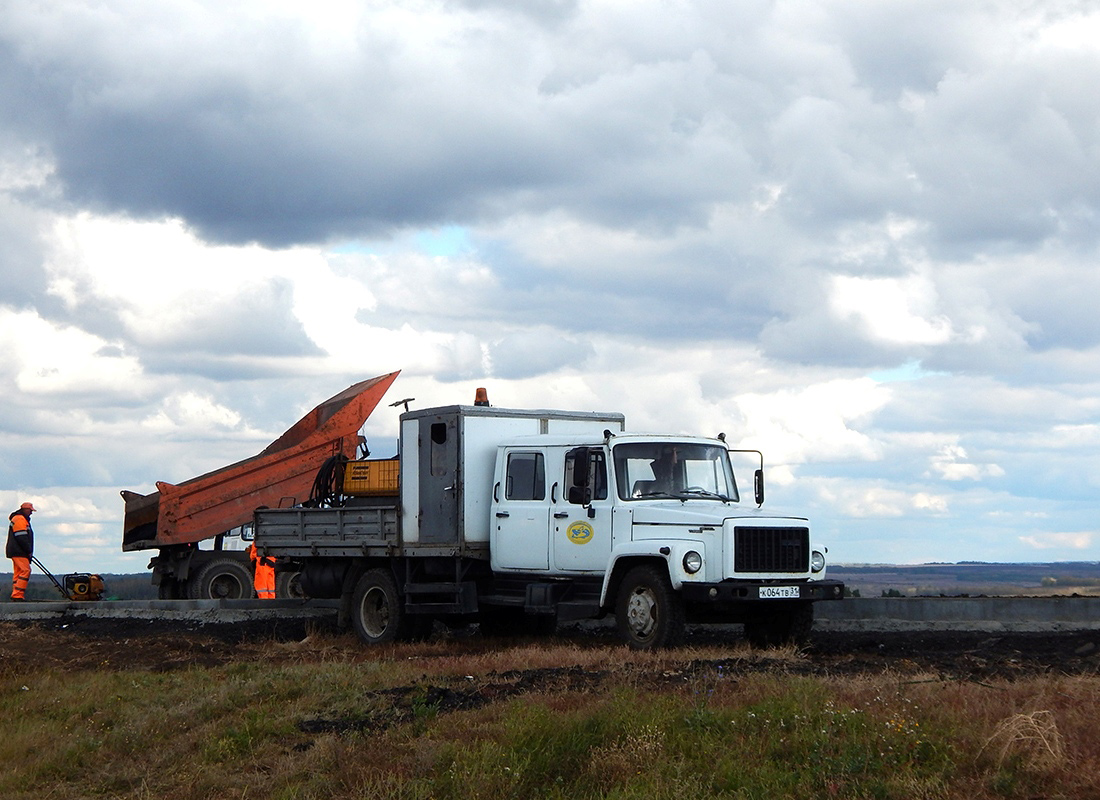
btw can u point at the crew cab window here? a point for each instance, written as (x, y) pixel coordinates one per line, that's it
(526, 477)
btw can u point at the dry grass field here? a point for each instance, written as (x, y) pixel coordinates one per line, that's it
(138, 709)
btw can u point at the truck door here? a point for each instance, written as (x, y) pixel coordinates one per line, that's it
(581, 533)
(439, 479)
(521, 512)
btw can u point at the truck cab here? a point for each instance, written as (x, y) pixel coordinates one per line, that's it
(645, 521)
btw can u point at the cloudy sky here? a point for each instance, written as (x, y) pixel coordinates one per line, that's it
(860, 236)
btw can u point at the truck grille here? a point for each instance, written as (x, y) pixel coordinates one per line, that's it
(771, 549)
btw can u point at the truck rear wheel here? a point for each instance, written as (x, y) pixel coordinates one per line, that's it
(377, 610)
(222, 579)
(288, 586)
(648, 613)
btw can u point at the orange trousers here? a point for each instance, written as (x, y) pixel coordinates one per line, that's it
(21, 573)
(265, 582)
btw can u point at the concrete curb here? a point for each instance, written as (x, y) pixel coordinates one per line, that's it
(993, 614)
(204, 611)
(1004, 614)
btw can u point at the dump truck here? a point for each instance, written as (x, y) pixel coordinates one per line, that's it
(196, 526)
(517, 520)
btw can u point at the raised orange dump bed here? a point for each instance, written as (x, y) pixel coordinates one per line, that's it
(281, 475)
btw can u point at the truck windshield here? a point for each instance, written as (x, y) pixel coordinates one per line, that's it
(673, 469)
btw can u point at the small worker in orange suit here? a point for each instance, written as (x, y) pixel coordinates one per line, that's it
(20, 549)
(264, 568)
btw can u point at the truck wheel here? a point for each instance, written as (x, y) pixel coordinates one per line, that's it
(221, 579)
(377, 611)
(787, 626)
(649, 614)
(288, 586)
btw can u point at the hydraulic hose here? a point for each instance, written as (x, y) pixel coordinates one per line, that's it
(327, 491)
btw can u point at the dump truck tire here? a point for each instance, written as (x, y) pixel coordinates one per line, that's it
(288, 586)
(648, 612)
(222, 579)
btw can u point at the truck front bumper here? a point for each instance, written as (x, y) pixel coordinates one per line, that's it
(736, 592)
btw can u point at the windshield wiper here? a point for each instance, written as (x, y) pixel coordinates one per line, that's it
(685, 493)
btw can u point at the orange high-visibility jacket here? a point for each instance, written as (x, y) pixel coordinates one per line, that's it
(20, 536)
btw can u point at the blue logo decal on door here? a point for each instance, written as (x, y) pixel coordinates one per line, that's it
(580, 532)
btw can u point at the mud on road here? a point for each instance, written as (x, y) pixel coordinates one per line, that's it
(82, 643)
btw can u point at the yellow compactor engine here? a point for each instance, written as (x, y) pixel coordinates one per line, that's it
(83, 586)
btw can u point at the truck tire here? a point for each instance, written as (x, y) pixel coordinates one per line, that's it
(648, 612)
(222, 579)
(377, 610)
(790, 625)
(288, 586)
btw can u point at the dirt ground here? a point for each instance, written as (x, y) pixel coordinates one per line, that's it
(159, 645)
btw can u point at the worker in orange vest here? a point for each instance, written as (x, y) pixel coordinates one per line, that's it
(20, 549)
(264, 567)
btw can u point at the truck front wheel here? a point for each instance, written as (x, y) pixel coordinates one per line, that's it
(649, 614)
(376, 607)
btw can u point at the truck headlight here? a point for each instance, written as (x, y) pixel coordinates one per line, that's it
(693, 562)
(817, 561)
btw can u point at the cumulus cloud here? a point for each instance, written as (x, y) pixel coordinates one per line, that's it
(1060, 541)
(951, 464)
(859, 499)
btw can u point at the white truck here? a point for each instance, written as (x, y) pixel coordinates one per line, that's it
(519, 519)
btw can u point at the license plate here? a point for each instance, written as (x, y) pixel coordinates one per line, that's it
(781, 592)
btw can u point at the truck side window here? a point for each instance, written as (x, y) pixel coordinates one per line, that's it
(597, 472)
(439, 460)
(526, 477)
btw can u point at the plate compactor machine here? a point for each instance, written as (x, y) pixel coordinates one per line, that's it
(77, 586)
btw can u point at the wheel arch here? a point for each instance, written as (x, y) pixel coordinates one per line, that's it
(618, 570)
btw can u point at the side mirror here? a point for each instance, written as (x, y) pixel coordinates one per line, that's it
(580, 495)
(758, 486)
(581, 466)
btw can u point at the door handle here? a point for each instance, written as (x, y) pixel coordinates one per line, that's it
(502, 513)
(561, 514)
